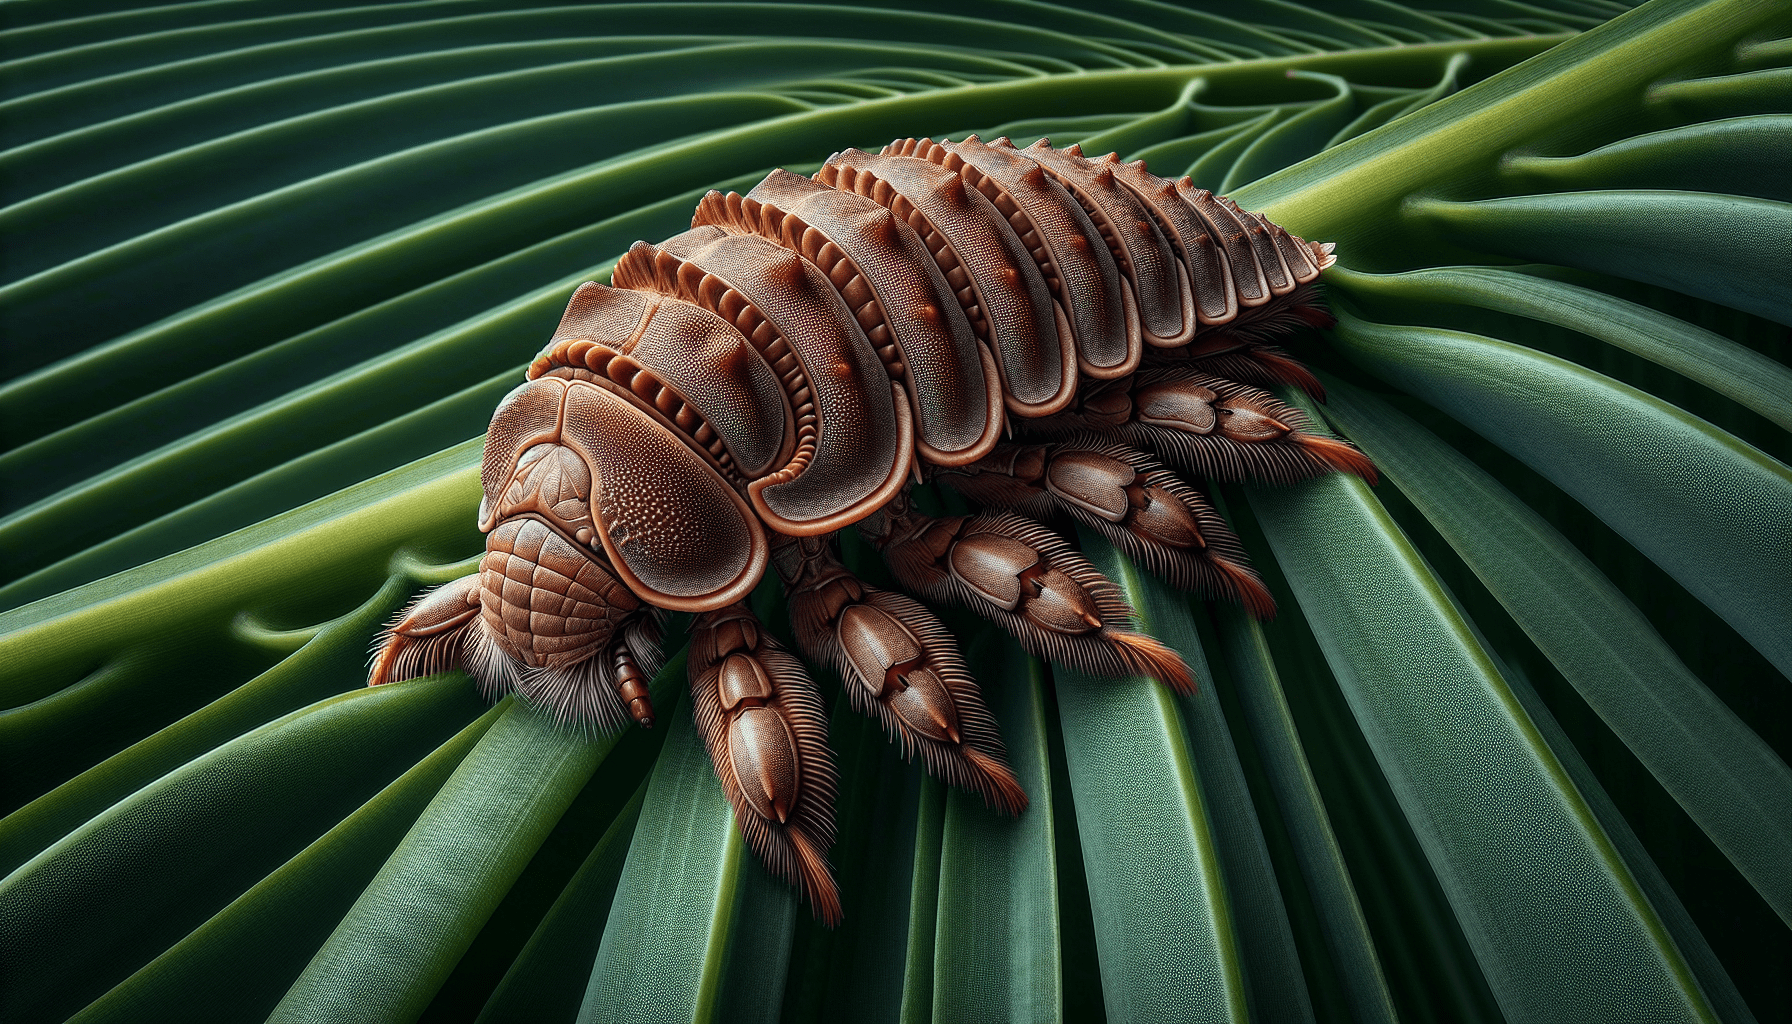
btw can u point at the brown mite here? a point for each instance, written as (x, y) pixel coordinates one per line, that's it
(789, 366)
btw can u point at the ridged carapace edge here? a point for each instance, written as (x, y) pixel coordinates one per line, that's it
(682, 364)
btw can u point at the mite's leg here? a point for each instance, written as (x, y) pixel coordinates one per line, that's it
(1026, 579)
(1300, 309)
(901, 665)
(1218, 428)
(430, 635)
(1142, 508)
(631, 685)
(1247, 361)
(767, 735)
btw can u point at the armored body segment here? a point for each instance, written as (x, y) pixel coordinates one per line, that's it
(528, 416)
(1205, 273)
(1140, 250)
(864, 445)
(702, 358)
(673, 528)
(993, 276)
(1234, 238)
(1064, 242)
(888, 278)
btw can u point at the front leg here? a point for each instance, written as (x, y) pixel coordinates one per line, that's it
(766, 731)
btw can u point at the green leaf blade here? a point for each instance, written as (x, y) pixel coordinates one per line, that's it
(1725, 366)
(249, 953)
(1731, 782)
(996, 953)
(113, 894)
(1297, 794)
(1275, 984)
(1703, 505)
(399, 942)
(1543, 898)
(546, 979)
(1163, 920)
(1728, 249)
(685, 905)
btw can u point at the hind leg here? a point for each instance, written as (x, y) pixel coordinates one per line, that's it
(1029, 581)
(1141, 507)
(1216, 428)
(1244, 360)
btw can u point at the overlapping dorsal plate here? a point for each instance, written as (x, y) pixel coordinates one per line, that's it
(859, 450)
(888, 278)
(1208, 271)
(1159, 281)
(1064, 242)
(722, 390)
(1253, 280)
(994, 276)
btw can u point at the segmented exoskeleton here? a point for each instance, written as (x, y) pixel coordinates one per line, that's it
(1024, 325)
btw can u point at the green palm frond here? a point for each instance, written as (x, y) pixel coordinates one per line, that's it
(1514, 747)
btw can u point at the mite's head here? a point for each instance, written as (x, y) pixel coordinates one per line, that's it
(599, 514)
(584, 457)
(549, 596)
(555, 623)
(597, 519)
(546, 615)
